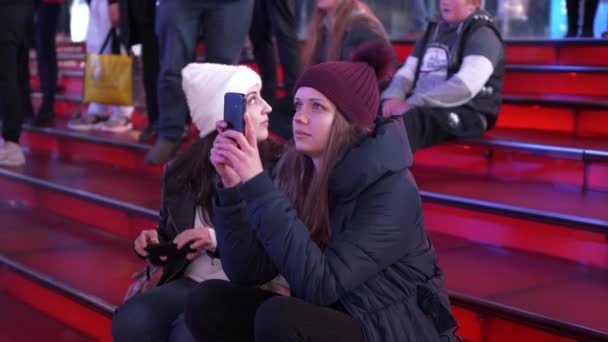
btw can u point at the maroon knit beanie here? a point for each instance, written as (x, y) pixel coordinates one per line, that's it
(352, 86)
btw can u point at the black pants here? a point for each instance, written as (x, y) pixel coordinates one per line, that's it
(218, 310)
(141, 14)
(275, 17)
(46, 51)
(589, 11)
(430, 126)
(16, 22)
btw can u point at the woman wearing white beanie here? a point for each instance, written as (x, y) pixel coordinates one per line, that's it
(186, 217)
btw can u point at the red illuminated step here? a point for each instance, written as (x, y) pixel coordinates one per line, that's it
(548, 52)
(567, 145)
(56, 266)
(559, 221)
(578, 120)
(44, 249)
(527, 156)
(17, 316)
(526, 51)
(525, 287)
(118, 149)
(115, 199)
(572, 80)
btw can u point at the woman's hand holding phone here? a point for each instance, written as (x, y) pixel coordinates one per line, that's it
(227, 174)
(144, 238)
(238, 152)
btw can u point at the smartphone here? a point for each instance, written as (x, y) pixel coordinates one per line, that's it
(167, 249)
(234, 111)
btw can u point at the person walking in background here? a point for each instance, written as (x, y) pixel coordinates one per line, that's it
(16, 20)
(275, 17)
(589, 11)
(179, 23)
(136, 23)
(111, 118)
(47, 15)
(419, 14)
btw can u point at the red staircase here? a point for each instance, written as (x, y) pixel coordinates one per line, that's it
(517, 216)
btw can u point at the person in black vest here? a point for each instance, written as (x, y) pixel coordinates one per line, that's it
(451, 84)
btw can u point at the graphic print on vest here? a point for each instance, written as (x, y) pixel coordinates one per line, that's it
(434, 67)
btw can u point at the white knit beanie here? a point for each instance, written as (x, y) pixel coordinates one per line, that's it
(205, 85)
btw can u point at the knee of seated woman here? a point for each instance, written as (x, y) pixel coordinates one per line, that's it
(275, 318)
(135, 320)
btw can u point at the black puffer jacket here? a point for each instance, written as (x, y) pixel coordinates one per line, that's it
(379, 264)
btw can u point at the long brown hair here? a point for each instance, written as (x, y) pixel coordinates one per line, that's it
(192, 172)
(343, 21)
(306, 188)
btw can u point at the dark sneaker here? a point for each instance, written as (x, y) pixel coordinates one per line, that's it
(161, 152)
(43, 118)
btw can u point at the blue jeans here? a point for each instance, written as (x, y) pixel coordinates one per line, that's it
(224, 27)
(420, 12)
(155, 315)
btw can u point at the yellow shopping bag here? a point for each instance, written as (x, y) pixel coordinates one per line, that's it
(108, 79)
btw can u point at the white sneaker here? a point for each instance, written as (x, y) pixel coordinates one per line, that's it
(86, 122)
(116, 124)
(11, 154)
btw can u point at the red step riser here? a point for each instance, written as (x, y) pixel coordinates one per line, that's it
(592, 123)
(537, 117)
(55, 305)
(86, 150)
(473, 327)
(577, 245)
(584, 123)
(519, 82)
(113, 220)
(499, 330)
(515, 54)
(543, 55)
(513, 165)
(470, 324)
(598, 176)
(583, 55)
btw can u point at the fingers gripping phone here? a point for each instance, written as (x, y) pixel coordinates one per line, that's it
(234, 111)
(166, 249)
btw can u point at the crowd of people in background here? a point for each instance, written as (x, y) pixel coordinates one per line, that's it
(169, 31)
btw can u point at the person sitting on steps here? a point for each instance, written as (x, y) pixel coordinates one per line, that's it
(451, 84)
(189, 185)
